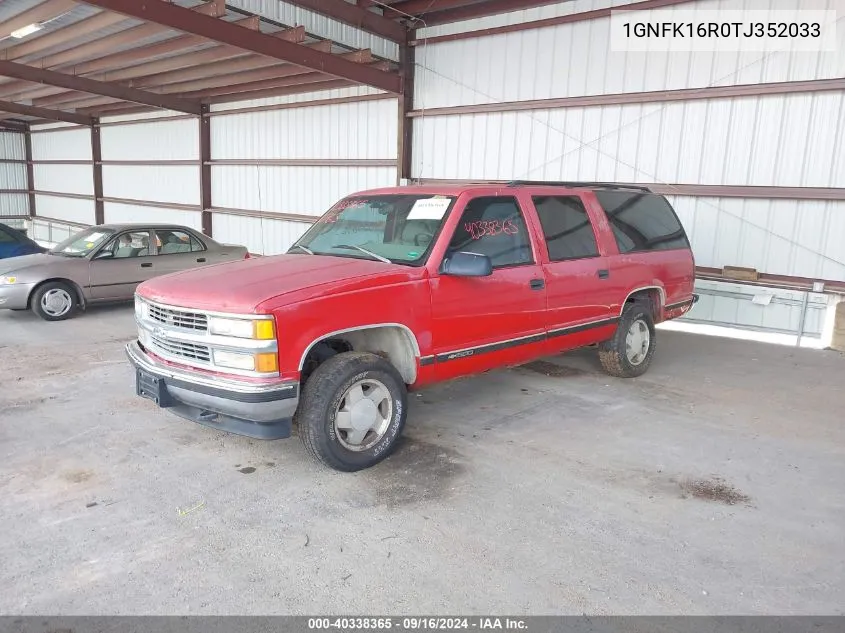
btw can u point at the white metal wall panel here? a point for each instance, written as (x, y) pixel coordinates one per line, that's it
(49, 231)
(535, 64)
(781, 140)
(301, 190)
(178, 184)
(12, 176)
(264, 236)
(732, 305)
(70, 209)
(802, 238)
(364, 129)
(156, 140)
(13, 203)
(73, 144)
(12, 146)
(319, 25)
(118, 213)
(63, 179)
(337, 93)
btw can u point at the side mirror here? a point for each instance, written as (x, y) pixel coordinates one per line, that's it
(463, 264)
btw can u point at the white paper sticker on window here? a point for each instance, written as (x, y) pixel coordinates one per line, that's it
(429, 209)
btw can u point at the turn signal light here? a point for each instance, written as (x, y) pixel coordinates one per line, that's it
(266, 362)
(264, 330)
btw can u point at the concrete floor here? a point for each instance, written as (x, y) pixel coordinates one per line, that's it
(516, 492)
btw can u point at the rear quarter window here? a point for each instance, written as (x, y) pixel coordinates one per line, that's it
(642, 221)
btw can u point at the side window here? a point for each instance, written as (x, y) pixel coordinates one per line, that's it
(566, 227)
(129, 244)
(170, 242)
(494, 226)
(642, 221)
(7, 238)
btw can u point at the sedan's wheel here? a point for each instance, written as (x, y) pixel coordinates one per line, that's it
(629, 352)
(54, 301)
(352, 411)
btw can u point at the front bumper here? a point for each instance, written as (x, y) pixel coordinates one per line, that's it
(15, 296)
(260, 411)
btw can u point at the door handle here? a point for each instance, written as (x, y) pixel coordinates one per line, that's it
(537, 284)
(147, 265)
(604, 274)
(201, 260)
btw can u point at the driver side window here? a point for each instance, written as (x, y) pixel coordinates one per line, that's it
(494, 226)
(129, 244)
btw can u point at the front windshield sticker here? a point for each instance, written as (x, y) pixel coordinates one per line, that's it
(429, 209)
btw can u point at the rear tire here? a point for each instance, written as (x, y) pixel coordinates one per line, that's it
(352, 411)
(629, 352)
(55, 301)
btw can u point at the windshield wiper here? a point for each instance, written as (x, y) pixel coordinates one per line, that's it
(352, 247)
(300, 246)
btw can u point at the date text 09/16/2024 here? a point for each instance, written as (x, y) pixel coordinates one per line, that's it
(417, 623)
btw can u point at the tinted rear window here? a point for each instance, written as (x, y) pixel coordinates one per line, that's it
(642, 221)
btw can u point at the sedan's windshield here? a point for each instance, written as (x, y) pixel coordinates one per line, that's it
(83, 243)
(399, 228)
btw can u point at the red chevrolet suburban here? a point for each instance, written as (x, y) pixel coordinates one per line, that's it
(394, 289)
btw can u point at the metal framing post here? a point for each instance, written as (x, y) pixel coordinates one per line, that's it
(406, 104)
(30, 172)
(97, 167)
(803, 318)
(205, 171)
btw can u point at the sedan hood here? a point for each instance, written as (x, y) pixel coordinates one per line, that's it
(242, 286)
(23, 262)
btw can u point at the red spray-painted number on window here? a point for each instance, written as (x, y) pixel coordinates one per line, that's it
(477, 230)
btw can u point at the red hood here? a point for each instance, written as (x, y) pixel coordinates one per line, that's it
(241, 286)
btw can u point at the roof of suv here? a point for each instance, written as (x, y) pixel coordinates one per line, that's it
(456, 188)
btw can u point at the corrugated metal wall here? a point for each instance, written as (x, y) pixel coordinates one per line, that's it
(791, 140)
(12, 175)
(151, 161)
(51, 146)
(297, 160)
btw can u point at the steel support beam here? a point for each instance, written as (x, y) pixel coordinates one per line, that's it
(44, 113)
(205, 171)
(188, 21)
(368, 21)
(116, 91)
(30, 171)
(97, 167)
(406, 104)
(477, 10)
(423, 7)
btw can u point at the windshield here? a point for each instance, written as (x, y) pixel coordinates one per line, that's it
(399, 227)
(83, 243)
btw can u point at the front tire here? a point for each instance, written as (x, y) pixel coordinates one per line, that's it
(352, 412)
(55, 301)
(629, 352)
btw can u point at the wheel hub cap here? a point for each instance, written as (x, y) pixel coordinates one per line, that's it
(363, 415)
(56, 302)
(637, 342)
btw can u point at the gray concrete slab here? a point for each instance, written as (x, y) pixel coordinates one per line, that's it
(549, 489)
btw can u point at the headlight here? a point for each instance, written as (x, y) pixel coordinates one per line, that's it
(8, 280)
(261, 329)
(264, 362)
(139, 308)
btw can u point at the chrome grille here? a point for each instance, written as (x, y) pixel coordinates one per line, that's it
(182, 349)
(178, 318)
